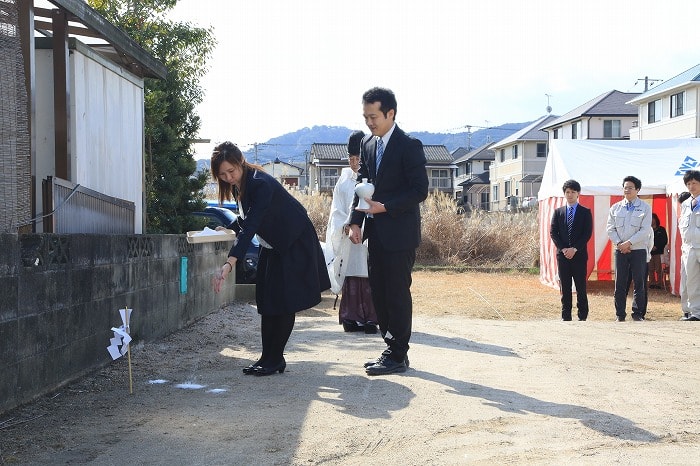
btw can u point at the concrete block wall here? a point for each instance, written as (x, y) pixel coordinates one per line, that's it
(60, 296)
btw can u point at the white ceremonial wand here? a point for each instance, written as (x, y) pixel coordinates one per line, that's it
(119, 344)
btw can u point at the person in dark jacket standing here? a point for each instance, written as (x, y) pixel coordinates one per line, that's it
(395, 163)
(656, 273)
(571, 229)
(291, 269)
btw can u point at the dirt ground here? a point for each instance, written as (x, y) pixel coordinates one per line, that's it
(495, 378)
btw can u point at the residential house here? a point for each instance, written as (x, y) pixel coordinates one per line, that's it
(670, 109)
(607, 116)
(516, 173)
(472, 188)
(286, 173)
(328, 159)
(441, 169)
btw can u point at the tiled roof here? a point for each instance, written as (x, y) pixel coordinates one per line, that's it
(480, 153)
(459, 152)
(612, 103)
(481, 178)
(531, 132)
(437, 153)
(328, 152)
(686, 77)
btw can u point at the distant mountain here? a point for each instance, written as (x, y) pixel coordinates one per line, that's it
(294, 147)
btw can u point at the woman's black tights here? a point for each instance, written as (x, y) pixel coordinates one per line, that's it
(275, 331)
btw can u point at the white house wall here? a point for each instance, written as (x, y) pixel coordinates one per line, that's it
(684, 126)
(44, 162)
(106, 137)
(107, 120)
(596, 126)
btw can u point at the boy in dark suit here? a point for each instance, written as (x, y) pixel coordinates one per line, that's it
(395, 163)
(571, 228)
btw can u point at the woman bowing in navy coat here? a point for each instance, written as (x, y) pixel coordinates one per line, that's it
(291, 269)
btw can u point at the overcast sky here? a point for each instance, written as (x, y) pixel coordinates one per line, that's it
(282, 65)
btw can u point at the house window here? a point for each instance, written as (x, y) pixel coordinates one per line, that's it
(514, 152)
(485, 200)
(506, 189)
(611, 129)
(574, 130)
(503, 155)
(487, 166)
(541, 149)
(556, 133)
(439, 178)
(495, 193)
(654, 111)
(329, 177)
(677, 104)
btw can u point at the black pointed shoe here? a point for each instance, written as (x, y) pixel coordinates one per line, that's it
(269, 370)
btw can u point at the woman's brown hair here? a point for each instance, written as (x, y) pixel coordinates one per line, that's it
(229, 152)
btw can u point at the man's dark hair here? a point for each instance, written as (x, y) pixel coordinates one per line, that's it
(683, 196)
(637, 182)
(354, 142)
(385, 97)
(571, 184)
(691, 175)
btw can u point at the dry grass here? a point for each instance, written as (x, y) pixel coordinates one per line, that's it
(452, 238)
(492, 239)
(318, 207)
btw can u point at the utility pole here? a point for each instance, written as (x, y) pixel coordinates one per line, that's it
(648, 80)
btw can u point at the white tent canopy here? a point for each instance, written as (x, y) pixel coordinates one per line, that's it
(600, 166)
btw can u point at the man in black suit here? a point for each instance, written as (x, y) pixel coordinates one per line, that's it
(395, 163)
(572, 227)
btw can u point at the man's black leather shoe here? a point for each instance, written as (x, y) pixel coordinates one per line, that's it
(690, 318)
(388, 366)
(379, 359)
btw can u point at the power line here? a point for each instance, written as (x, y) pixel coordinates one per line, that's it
(490, 128)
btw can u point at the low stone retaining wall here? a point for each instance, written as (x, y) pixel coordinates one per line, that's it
(60, 296)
